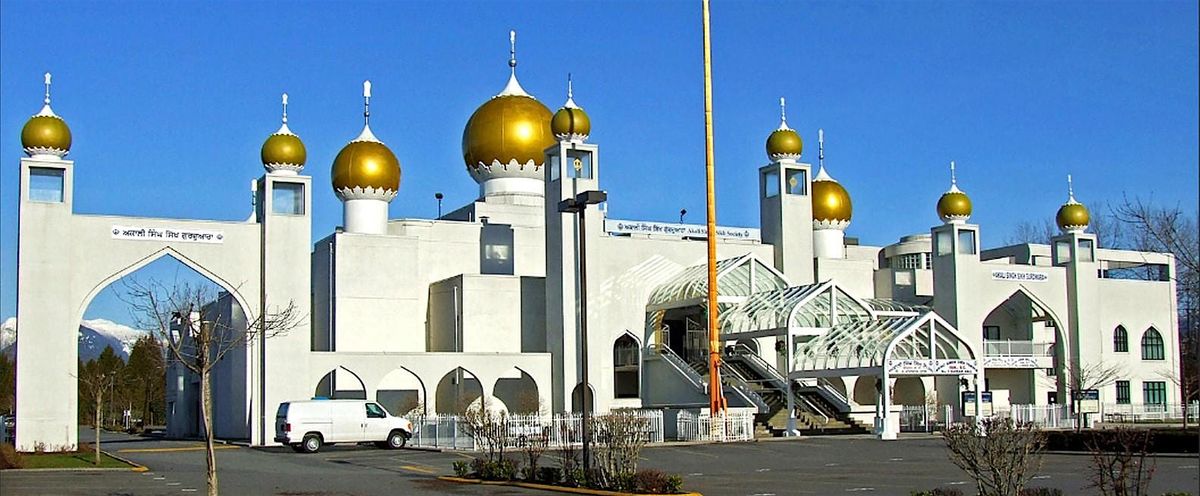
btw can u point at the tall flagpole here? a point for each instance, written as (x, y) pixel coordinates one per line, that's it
(716, 400)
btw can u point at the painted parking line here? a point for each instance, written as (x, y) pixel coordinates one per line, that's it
(171, 450)
(415, 468)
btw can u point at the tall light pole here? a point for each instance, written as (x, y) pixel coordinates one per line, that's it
(578, 206)
(438, 196)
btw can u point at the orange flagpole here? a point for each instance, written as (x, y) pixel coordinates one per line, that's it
(715, 393)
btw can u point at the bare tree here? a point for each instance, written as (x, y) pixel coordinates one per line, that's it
(1032, 232)
(199, 332)
(620, 436)
(1119, 461)
(97, 380)
(1001, 455)
(1189, 385)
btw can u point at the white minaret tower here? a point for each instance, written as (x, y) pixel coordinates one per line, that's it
(831, 209)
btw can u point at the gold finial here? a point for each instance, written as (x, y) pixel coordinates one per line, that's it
(1070, 189)
(512, 50)
(47, 100)
(367, 102)
(285, 108)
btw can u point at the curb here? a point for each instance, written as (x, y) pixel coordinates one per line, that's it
(137, 467)
(545, 487)
(134, 467)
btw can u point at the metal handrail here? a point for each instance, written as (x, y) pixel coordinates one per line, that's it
(680, 365)
(1017, 348)
(825, 386)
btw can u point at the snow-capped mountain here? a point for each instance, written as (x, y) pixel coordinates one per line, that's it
(94, 336)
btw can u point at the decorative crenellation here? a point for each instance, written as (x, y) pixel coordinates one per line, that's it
(368, 193)
(821, 225)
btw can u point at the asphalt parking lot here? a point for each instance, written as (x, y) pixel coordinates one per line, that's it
(828, 465)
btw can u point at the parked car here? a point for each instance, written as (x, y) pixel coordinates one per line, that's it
(308, 425)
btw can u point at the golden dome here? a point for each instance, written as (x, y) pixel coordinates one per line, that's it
(784, 143)
(366, 163)
(284, 149)
(954, 205)
(46, 134)
(1072, 216)
(571, 121)
(508, 129)
(830, 200)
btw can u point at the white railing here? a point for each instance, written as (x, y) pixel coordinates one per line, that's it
(729, 427)
(562, 429)
(1112, 412)
(1044, 416)
(1017, 348)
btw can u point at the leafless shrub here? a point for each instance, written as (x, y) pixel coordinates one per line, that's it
(1001, 455)
(1119, 461)
(487, 428)
(619, 437)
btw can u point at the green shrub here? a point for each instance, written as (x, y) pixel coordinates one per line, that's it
(9, 458)
(655, 482)
(549, 475)
(461, 468)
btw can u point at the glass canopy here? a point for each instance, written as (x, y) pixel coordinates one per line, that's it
(736, 277)
(868, 344)
(810, 306)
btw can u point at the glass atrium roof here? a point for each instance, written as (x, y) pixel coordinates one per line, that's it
(868, 343)
(736, 277)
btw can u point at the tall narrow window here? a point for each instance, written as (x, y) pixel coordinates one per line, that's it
(1154, 393)
(797, 182)
(625, 367)
(966, 242)
(1120, 340)
(1122, 392)
(46, 184)
(287, 198)
(1152, 345)
(770, 184)
(944, 243)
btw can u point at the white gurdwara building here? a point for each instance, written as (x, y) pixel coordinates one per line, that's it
(435, 314)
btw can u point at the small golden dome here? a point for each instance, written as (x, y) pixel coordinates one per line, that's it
(507, 129)
(366, 163)
(830, 200)
(954, 205)
(46, 134)
(784, 143)
(1072, 216)
(569, 122)
(284, 149)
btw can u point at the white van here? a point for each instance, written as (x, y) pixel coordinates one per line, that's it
(307, 425)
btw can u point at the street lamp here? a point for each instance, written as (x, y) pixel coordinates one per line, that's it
(577, 206)
(438, 196)
(682, 212)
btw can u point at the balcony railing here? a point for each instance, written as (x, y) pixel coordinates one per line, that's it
(1009, 348)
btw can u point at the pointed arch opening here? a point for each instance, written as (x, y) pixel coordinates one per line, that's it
(402, 392)
(457, 391)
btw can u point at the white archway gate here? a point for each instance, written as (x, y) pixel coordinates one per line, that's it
(66, 259)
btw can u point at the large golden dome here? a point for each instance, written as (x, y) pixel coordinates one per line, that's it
(508, 130)
(784, 143)
(46, 133)
(830, 200)
(366, 163)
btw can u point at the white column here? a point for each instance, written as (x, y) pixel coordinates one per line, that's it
(829, 243)
(365, 216)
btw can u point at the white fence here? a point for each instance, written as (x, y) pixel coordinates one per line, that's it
(451, 431)
(1044, 416)
(1112, 412)
(732, 426)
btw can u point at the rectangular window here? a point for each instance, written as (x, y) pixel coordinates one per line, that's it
(966, 242)
(1122, 392)
(581, 165)
(554, 163)
(287, 198)
(46, 184)
(1085, 250)
(944, 243)
(1154, 393)
(797, 182)
(1062, 252)
(991, 333)
(771, 184)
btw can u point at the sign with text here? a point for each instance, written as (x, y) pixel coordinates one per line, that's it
(1086, 400)
(1019, 276)
(968, 403)
(168, 234)
(681, 230)
(931, 367)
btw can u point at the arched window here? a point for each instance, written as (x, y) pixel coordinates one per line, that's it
(625, 367)
(1152, 345)
(1120, 340)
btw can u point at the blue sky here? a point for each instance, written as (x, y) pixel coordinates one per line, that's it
(169, 102)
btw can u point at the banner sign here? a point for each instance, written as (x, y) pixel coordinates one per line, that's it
(1086, 400)
(1019, 276)
(168, 234)
(681, 230)
(931, 367)
(968, 403)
